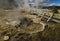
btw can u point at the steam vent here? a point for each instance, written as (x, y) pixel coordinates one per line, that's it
(29, 20)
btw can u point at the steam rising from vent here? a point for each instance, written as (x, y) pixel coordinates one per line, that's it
(12, 4)
(8, 4)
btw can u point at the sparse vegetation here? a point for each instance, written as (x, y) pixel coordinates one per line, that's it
(55, 10)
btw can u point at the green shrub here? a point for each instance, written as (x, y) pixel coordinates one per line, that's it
(54, 10)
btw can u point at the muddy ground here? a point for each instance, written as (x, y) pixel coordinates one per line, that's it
(28, 30)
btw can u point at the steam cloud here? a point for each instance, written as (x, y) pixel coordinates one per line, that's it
(9, 4)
